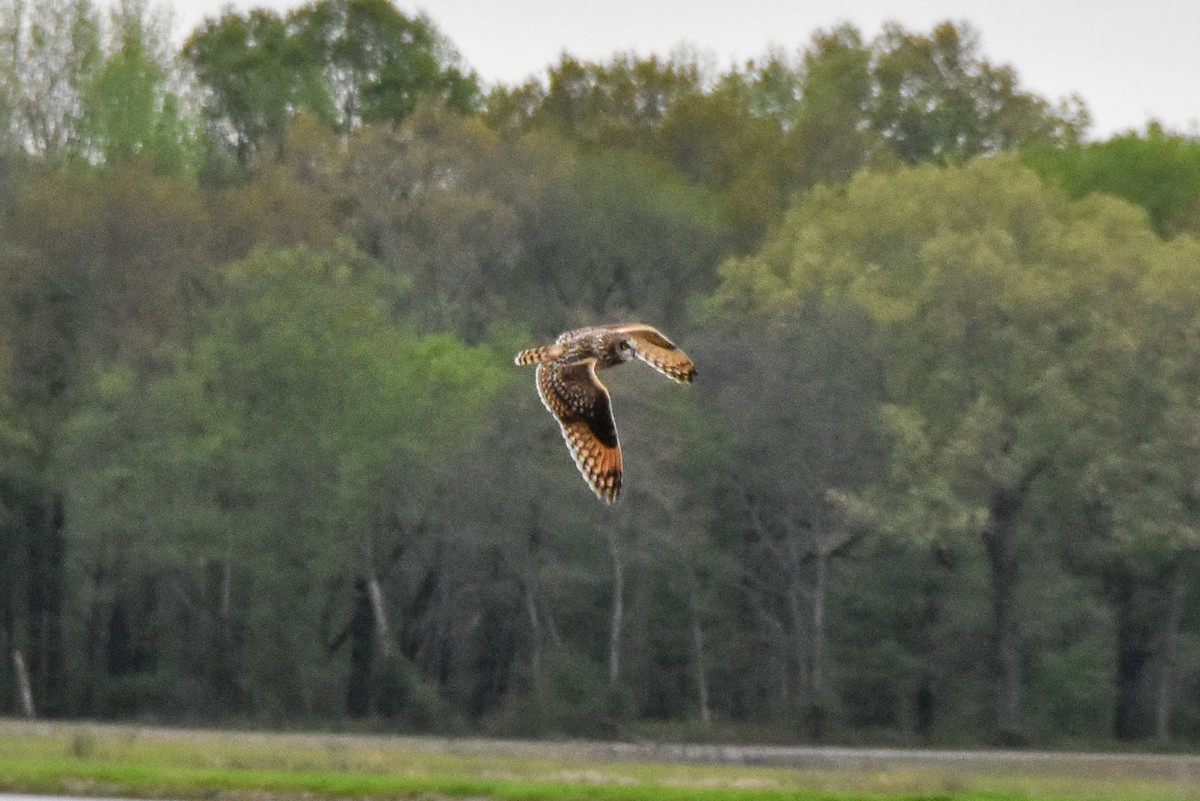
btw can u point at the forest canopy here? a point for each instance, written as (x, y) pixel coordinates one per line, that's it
(264, 456)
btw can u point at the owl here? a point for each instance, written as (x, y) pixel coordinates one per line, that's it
(569, 388)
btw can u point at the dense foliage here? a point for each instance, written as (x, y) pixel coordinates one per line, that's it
(264, 456)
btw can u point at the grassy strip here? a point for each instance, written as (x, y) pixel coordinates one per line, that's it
(129, 761)
(89, 777)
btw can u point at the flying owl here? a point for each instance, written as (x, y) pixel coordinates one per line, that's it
(569, 388)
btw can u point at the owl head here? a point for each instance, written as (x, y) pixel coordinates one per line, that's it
(622, 349)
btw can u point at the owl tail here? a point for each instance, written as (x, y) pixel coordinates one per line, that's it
(536, 355)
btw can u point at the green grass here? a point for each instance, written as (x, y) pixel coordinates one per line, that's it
(134, 761)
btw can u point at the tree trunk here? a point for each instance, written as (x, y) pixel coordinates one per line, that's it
(23, 685)
(361, 632)
(698, 656)
(8, 644)
(94, 640)
(1133, 653)
(618, 608)
(47, 559)
(1130, 659)
(1164, 697)
(933, 591)
(379, 615)
(226, 658)
(219, 651)
(536, 674)
(1148, 610)
(999, 538)
(816, 671)
(798, 658)
(537, 627)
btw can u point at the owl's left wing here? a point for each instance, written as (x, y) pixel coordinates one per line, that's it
(659, 352)
(580, 403)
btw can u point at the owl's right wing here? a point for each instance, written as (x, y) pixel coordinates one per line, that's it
(582, 407)
(659, 352)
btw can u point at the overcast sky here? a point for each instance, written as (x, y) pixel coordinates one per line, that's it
(1129, 61)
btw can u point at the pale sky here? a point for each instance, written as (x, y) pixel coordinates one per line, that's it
(1130, 61)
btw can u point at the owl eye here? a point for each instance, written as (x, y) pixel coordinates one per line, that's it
(624, 345)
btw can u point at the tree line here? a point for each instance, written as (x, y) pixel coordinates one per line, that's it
(266, 460)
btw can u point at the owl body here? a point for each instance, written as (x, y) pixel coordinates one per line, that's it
(569, 389)
(593, 342)
(608, 348)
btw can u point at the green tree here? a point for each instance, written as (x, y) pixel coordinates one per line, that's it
(808, 432)
(111, 264)
(828, 135)
(1001, 300)
(526, 557)
(19, 532)
(1157, 170)
(305, 350)
(379, 63)
(609, 235)
(936, 98)
(149, 537)
(603, 104)
(1141, 492)
(98, 269)
(483, 228)
(257, 75)
(758, 133)
(128, 108)
(627, 237)
(718, 141)
(428, 200)
(290, 201)
(345, 61)
(300, 419)
(48, 54)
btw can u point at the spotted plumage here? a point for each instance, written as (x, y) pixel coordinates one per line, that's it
(569, 388)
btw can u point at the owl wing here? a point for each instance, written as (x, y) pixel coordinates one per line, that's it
(580, 403)
(659, 352)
